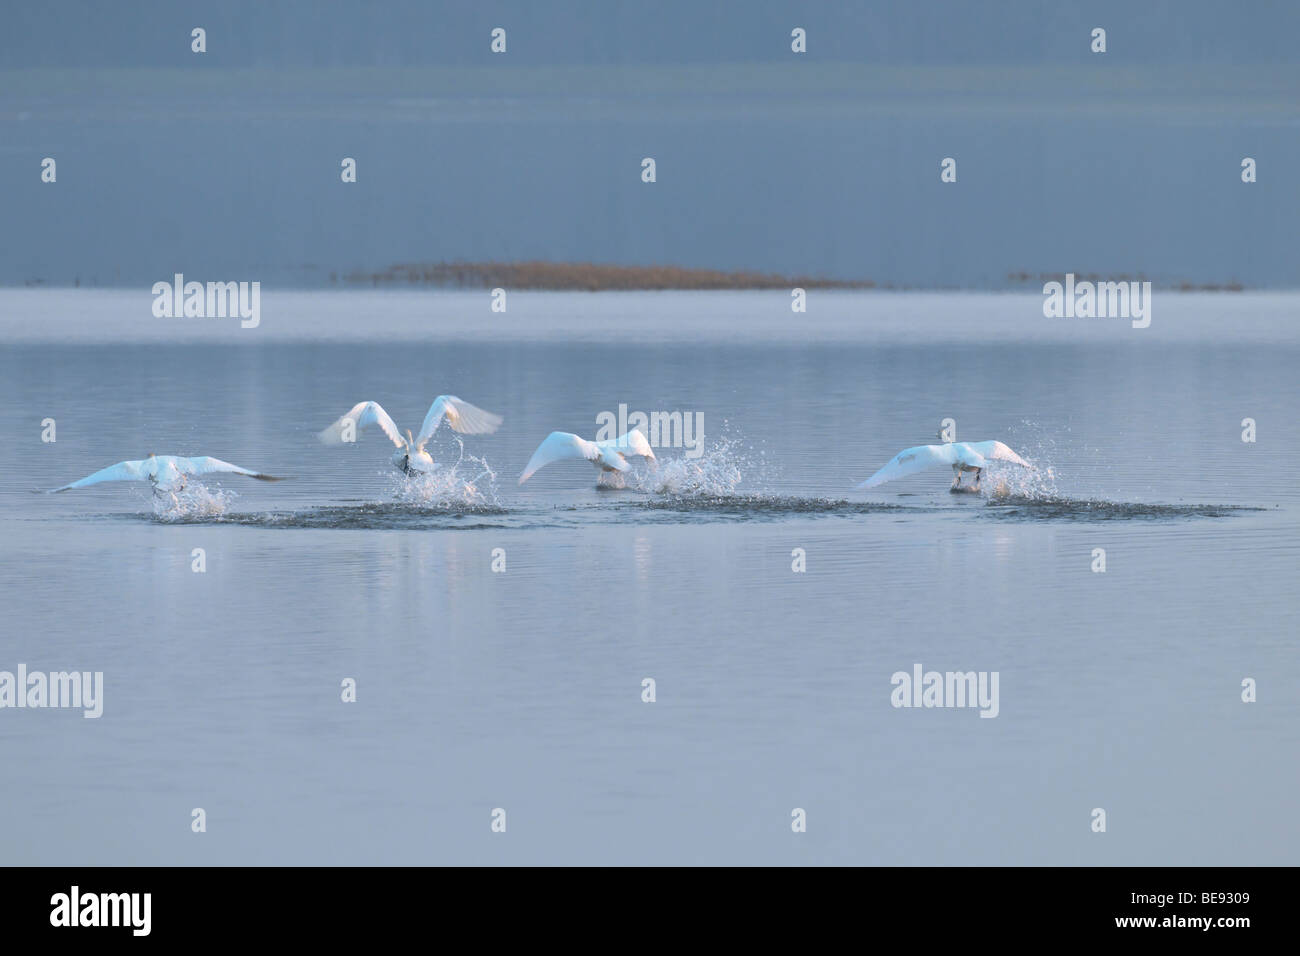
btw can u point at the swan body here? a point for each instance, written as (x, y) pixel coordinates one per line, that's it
(608, 455)
(961, 456)
(410, 457)
(166, 473)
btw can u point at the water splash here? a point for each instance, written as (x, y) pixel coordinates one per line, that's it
(715, 474)
(194, 502)
(466, 484)
(1005, 481)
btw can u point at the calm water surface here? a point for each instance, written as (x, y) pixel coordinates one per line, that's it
(522, 689)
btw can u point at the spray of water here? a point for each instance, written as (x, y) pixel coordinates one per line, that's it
(1007, 482)
(195, 501)
(466, 484)
(717, 473)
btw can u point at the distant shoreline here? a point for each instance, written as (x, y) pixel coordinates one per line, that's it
(602, 277)
(583, 276)
(542, 276)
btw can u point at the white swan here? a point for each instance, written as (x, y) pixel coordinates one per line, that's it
(962, 456)
(608, 455)
(166, 473)
(410, 456)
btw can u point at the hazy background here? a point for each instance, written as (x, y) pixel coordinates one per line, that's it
(522, 690)
(226, 164)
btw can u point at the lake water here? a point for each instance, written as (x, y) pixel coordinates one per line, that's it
(522, 690)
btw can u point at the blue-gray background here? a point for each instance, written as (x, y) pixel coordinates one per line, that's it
(226, 165)
(522, 690)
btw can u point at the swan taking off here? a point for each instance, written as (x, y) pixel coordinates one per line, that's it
(608, 455)
(166, 473)
(962, 456)
(410, 456)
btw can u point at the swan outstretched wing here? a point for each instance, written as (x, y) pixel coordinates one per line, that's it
(558, 446)
(998, 451)
(122, 471)
(361, 415)
(911, 460)
(633, 443)
(461, 416)
(205, 465)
